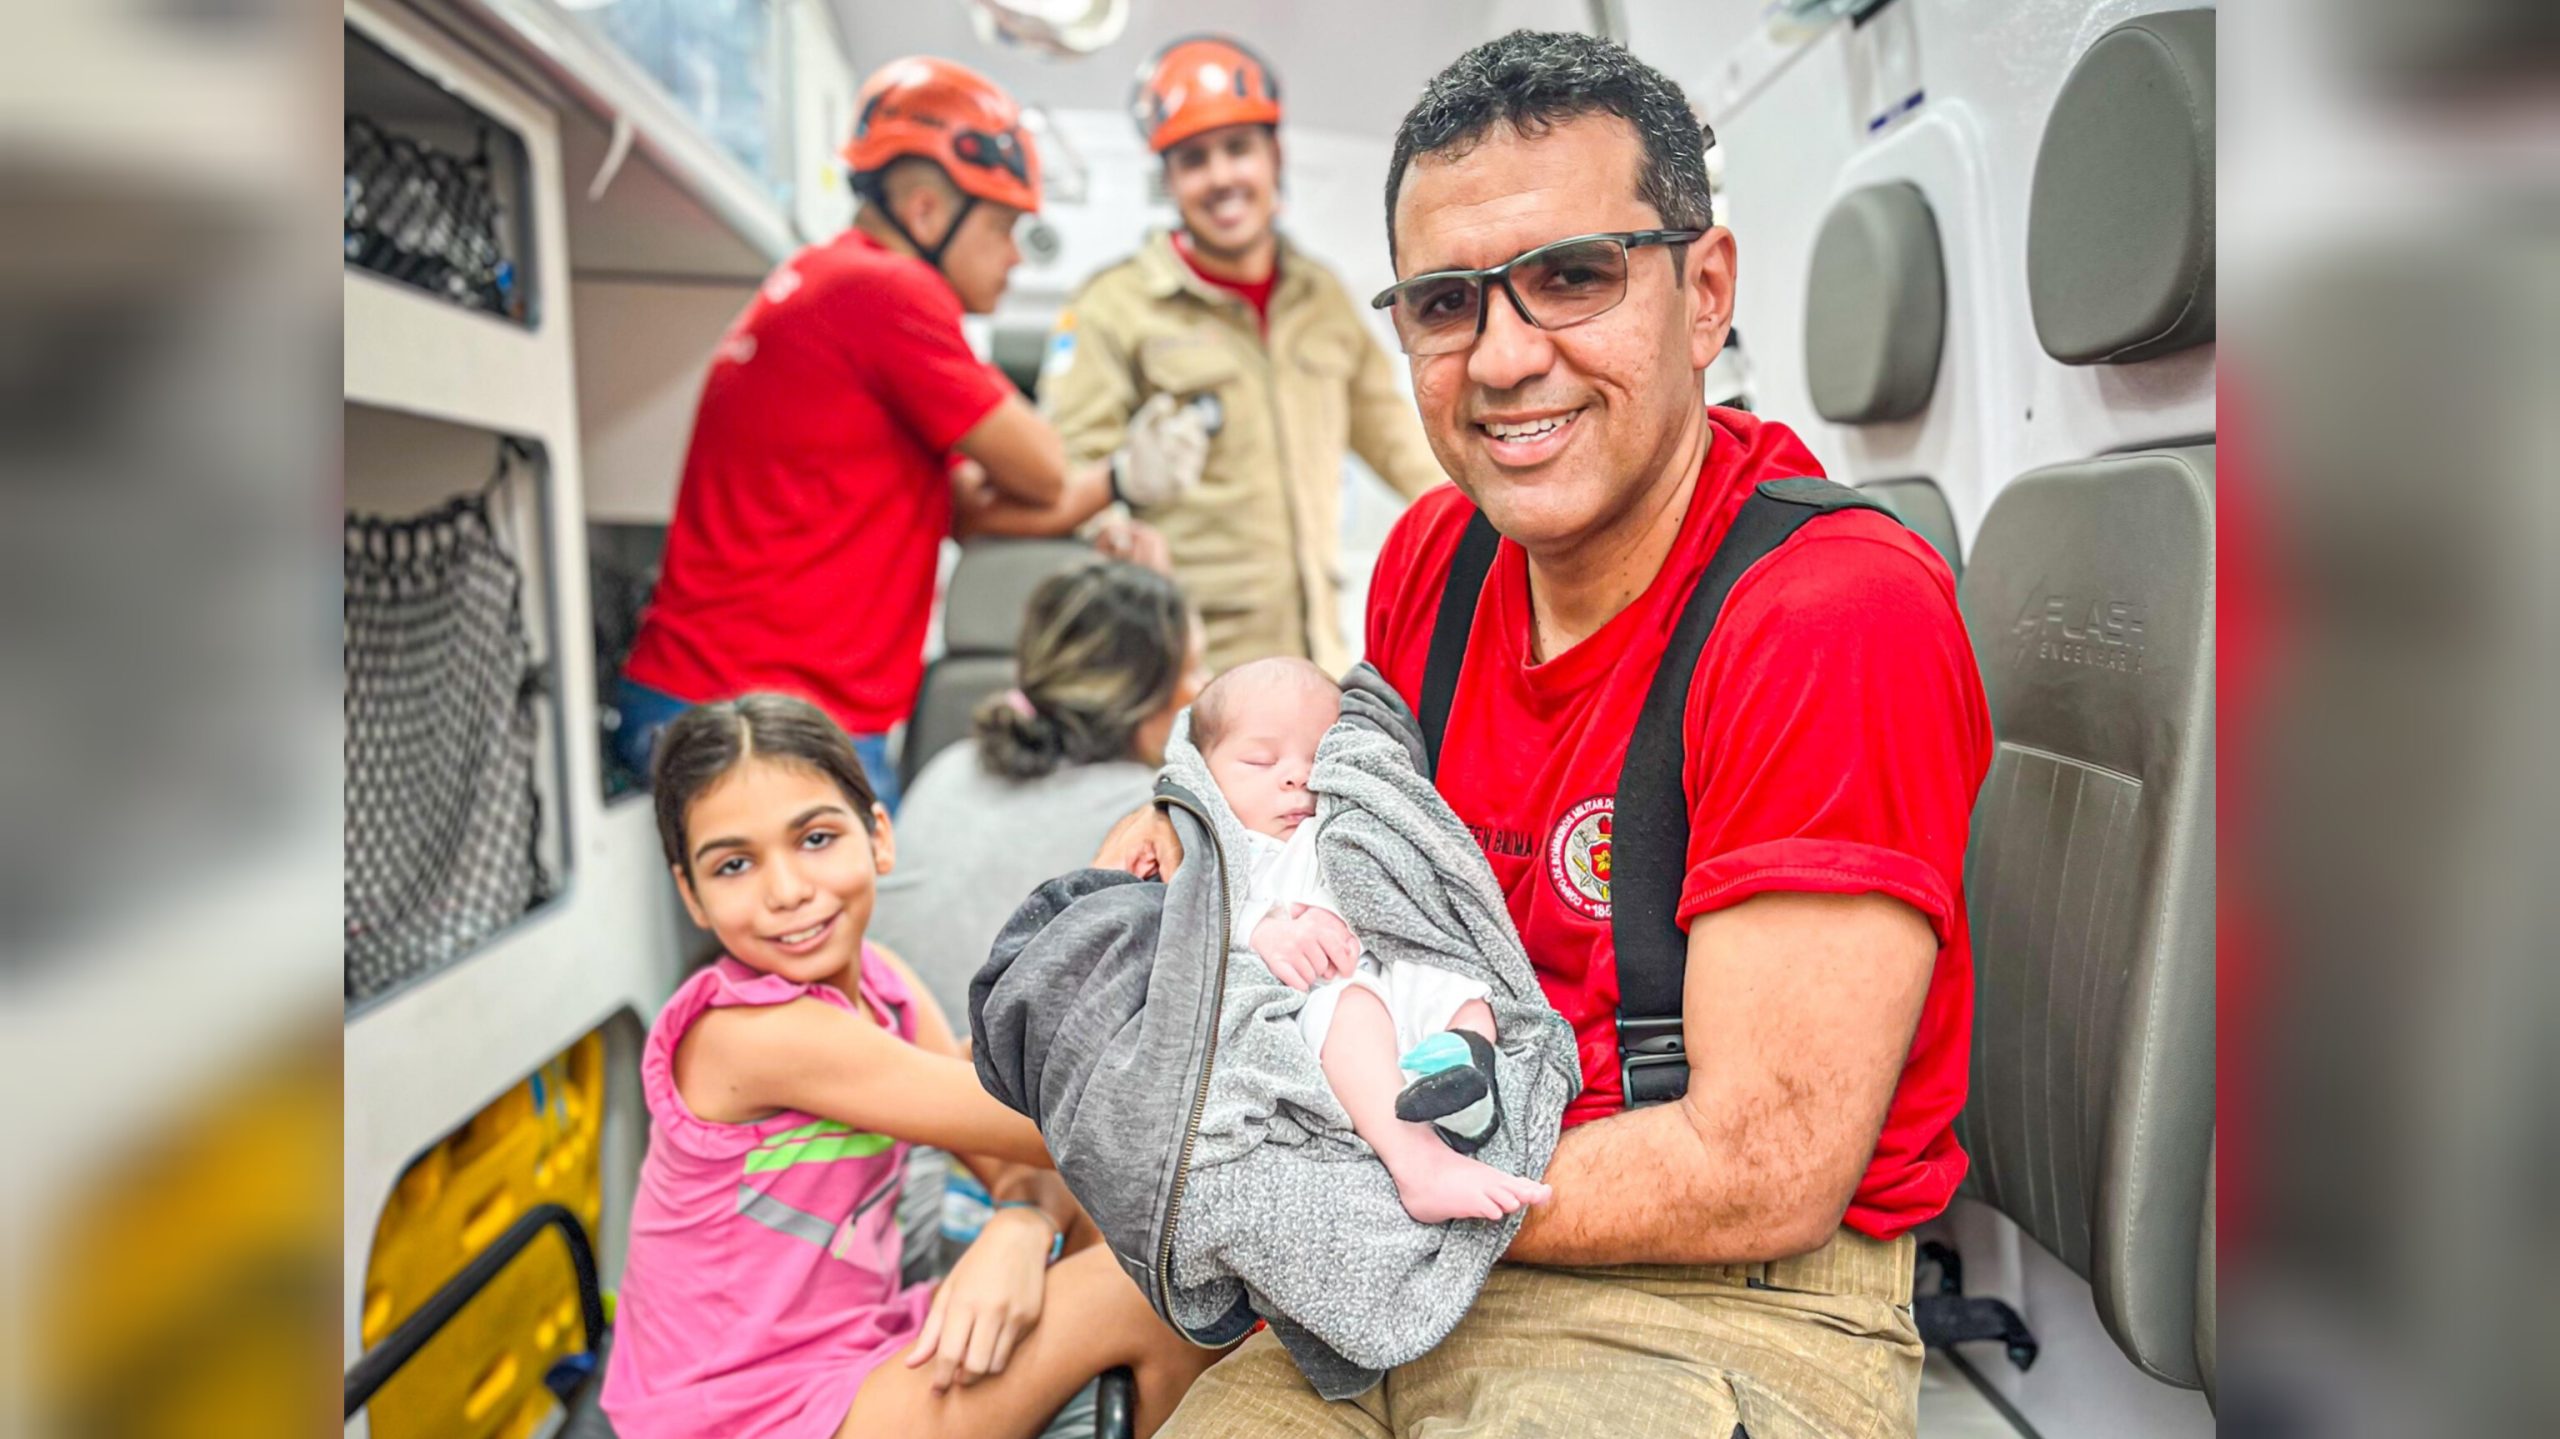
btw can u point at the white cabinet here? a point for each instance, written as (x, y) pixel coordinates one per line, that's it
(636, 240)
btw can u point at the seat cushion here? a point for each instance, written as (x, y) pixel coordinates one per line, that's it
(2089, 880)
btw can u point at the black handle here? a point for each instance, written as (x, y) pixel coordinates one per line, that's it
(1115, 1405)
(383, 1360)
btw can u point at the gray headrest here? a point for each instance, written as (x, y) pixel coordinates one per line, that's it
(982, 610)
(2120, 225)
(1875, 309)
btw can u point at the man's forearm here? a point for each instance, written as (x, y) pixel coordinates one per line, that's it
(1649, 1187)
(1087, 493)
(1799, 1014)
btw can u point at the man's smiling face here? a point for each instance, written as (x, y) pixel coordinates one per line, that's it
(1556, 433)
(1226, 182)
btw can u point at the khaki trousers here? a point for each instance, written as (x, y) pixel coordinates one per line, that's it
(1820, 1346)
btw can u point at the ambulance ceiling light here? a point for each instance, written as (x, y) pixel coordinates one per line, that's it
(1065, 28)
(1815, 13)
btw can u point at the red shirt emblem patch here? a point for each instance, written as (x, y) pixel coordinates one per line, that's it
(1578, 856)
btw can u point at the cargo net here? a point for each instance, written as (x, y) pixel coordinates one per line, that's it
(442, 818)
(427, 218)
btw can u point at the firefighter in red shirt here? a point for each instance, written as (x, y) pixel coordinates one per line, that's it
(1734, 851)
(846, 427)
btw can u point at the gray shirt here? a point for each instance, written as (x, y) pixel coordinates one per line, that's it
(972, 847)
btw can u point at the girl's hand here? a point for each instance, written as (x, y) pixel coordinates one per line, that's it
(990, 1301)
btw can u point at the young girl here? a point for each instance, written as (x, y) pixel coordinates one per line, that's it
(785, 1084)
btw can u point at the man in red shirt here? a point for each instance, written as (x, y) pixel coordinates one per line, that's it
(821, 477)
(1831, 743)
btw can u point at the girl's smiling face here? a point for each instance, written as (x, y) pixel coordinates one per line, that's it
(781, 867)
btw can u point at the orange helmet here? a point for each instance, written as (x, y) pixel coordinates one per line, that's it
(945, 112)
(1200, 84)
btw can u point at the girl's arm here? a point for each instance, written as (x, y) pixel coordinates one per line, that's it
(1032, 1183)
(739, 1063)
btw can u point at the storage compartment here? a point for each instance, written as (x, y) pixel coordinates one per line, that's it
(435, 191)
(454, 820)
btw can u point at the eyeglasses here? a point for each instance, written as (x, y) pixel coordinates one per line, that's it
(1551, 287)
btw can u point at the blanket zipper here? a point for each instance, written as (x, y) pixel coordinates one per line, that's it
(1208, 1060)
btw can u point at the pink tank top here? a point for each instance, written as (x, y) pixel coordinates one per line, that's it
(761, 1285)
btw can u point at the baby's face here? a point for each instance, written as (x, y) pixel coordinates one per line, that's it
(1262, 761)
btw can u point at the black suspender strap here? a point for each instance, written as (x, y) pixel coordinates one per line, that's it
(1650, 826)
(1450, 627)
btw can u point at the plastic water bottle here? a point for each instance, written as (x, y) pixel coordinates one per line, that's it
(965, 1208)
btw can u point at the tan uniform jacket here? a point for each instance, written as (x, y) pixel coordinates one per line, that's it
(1257, 545)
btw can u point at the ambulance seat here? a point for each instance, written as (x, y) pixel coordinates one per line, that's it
(1875, 314)
(2090, 881)
(1922, 506)
(1017, 351)
(981, 622)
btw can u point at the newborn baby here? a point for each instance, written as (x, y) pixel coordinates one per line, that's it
(1407, 1048)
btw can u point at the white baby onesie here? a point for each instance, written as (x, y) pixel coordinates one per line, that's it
(1421, 998)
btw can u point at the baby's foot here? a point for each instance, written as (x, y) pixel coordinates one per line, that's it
(1452, 1088)
(1439, 1184)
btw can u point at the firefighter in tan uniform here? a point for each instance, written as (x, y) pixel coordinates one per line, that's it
(1226, 308)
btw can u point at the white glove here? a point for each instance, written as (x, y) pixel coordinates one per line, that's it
(1168, 445)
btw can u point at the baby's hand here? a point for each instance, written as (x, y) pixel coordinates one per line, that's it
(1306, 946)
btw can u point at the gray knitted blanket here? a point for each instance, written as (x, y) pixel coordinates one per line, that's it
(1281, 1206)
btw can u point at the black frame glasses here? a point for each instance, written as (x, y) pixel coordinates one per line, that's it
(1419, 339)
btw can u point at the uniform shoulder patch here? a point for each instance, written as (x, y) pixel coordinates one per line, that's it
(1062, 346)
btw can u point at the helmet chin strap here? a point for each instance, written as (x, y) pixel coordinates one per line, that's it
(930, 254)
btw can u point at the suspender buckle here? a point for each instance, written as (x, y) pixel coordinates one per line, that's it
(1652, 1064)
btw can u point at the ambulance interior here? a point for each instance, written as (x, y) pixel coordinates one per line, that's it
(1977, 252)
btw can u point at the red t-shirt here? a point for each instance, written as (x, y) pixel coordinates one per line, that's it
(1255, 293)
(817, 490)
(1837, 733)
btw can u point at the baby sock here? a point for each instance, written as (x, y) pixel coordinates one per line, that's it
(1452, 1088)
